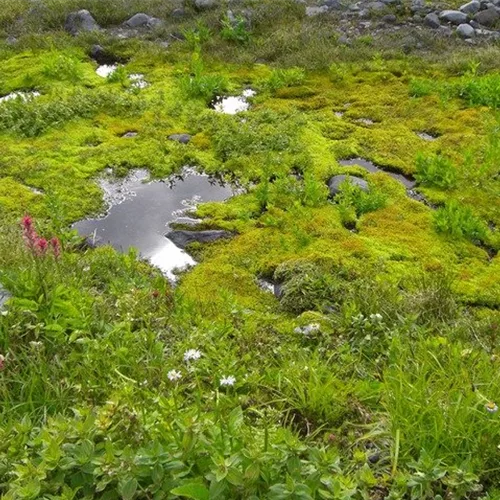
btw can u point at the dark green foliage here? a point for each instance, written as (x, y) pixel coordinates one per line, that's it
(460, 222)
(435, 170)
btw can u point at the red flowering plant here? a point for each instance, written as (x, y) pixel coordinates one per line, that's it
(43, 252)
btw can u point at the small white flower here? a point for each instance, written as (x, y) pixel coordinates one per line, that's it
(491, 407)
(192, 354)
(227, 381)
(174, 375)
(376, 317)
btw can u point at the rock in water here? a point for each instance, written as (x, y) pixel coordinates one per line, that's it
(335, 182)
(82, 20)
(453, 16)
(183, 238)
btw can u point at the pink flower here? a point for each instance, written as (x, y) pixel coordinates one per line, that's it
(41, 246)
(56, 247)
(29, 233)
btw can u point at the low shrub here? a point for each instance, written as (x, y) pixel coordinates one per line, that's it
(280, 78)
(235, 30)
(435, 170)
(460, 222)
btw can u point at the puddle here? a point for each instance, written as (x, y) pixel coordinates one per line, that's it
(233, 104)
(426, 137)
(371, 167)
(140, 212)
(24, 96)
(106, 69)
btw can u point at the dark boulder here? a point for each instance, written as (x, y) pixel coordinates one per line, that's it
(183, 238)
(103, 57)
(488, 17)
(335, 182)
(76, 22)
(182, 138)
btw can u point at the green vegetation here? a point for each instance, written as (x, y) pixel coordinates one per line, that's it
(372, 372)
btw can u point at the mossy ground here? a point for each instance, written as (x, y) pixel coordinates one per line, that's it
(400, 384)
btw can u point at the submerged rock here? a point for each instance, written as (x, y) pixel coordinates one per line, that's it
(182, 238)
(82, 20)
(182, 138)
(335, 182)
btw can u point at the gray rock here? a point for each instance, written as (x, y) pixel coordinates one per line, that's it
(453, 16)
(183, 238)
(445, 31)
(138, 20)
(471, 7)
(4, 297)
(76, 22)
(417, 6)
(178, 13)
(474, 24)
(316, 11)
(465, 31)
(335, 182)
(334, 4)
(182, 138)
(376, 6)
(101, 56)
(488, 17)
(432, 21)
(205, 4)
(129, 135)
(389, 19)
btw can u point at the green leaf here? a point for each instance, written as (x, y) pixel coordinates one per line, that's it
(128, 488)
(195, 491)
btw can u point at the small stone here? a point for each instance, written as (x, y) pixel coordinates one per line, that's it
(178, 13)
(471, 7)
(316, 11)
(465, 31)
(333, 4)
(335, 182)
(129, 135)
(205, 4)
(432, 21)
(77, 22)
(445, 31)
(138, 20)
(488, 17)
(453, 16)
(182, 138)
(389, 19)
(376, 6)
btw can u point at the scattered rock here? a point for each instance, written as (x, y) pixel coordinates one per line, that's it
(333, 4)
(182, 138)
(471, 7)
(488, 17)
(205, 4)
(128, 135)
(76, 22)
(102, 57)
(316, 11)
(137, 20)
(432, 21)
(178, 13)
(445, 31)
(453, 16)
(465, 31)
(335, 182)
(183, 238)
(4, 297)
(376, 6)
(389, 19)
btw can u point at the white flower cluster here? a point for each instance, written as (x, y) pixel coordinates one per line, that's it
(308, 329)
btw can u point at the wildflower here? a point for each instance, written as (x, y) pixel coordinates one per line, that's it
(56, 246)
(156, 294)
(2, 362)
(41, 246)
(29, 233)
(192, 354)
(491, 407)
(174, 375)
(227, 381)
(376, 317)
